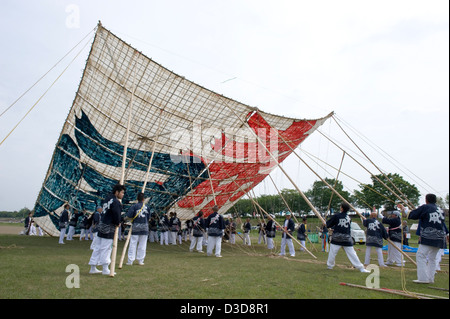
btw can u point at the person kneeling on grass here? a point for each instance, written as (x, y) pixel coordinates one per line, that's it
(109, 220)
(342, 238)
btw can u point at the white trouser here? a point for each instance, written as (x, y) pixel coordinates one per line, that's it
(263, 237)
(232, 238)
(426, 262)
(153, 236)
(94, 240)
(196, 242)
(379, 252)
(165, 238)
(188, 234)
(84, 233)
(137, 249)
(439, 258)
(394, 256)
(247, 240)
(62, 233)
(303, 242)
(270, 244)
(102, 252)
(32, 231)
(71, 233)
(290, 244)
(214, 241)
(173, 237)
(351, 254)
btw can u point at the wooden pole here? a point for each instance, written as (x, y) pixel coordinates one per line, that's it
(127, 241)
(289, 209)
(122, 177)
(394, 292)
(292, 237)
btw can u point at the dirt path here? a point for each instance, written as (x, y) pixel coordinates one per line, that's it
(10, 230)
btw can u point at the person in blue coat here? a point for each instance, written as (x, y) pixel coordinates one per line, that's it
(301, 233)
(63, 222)
(164, 229)
(288, 229)
(433, 237)
(341, 238)
(394, 257)
(139, 216)
(198, 229)
(216, 226)
(271, 229)
(109, 220)
(374, 239)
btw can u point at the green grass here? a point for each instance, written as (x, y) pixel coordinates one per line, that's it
(35, 267)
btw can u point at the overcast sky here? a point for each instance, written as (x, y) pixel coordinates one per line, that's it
(381, 66)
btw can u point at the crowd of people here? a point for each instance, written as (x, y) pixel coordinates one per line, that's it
(145, 226)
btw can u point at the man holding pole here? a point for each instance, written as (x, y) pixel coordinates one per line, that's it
(342, 238)
(395, 235)
(110, 219)
(139, 215)
(433, 236)
(215, 225)
(288, 228)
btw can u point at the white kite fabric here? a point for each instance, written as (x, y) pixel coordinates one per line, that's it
(199, 148)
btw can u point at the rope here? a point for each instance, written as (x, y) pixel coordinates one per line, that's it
(405, 199)
(386, 155)
(45, 74)
(46, 91)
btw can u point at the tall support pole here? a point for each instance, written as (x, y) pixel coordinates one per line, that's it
(121, 182)
(127, 241)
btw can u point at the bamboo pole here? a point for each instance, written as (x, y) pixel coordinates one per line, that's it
(385, 291)
(289, 209)
(122, 177)
(292, 237)
(125, 247)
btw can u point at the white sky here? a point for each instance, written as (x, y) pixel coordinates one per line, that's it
(381, 66)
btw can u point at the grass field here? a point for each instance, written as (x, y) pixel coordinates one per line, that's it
(35, 267)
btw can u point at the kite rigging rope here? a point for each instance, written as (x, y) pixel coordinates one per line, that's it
(43, 76)
(384, 153)
(40, 98)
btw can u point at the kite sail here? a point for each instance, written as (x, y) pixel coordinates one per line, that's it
(192, 148)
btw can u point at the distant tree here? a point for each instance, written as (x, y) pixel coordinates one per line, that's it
(443, 202)
(294, 200)
(377, 194)
(320, 194)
